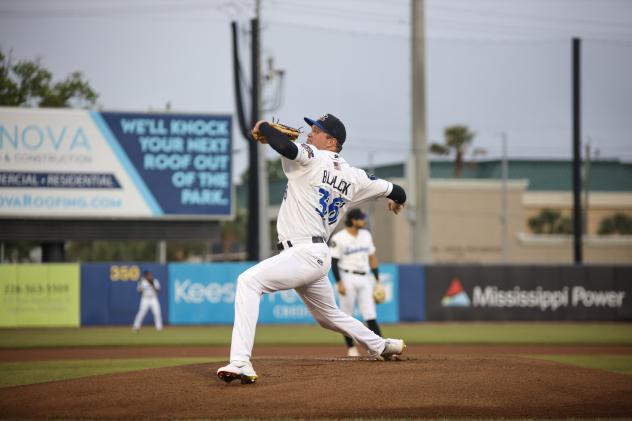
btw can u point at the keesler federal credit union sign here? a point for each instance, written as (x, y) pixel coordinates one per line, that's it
(77, 163)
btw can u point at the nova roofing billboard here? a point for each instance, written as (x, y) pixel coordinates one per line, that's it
(87, 164)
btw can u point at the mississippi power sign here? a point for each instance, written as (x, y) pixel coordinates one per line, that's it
(529, 293)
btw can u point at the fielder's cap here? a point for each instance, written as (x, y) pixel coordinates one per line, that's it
(330, 124)
(356, 213)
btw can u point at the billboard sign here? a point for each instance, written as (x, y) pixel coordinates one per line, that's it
(77, 163)
(528, 293)
(205, 293)
(36, 295)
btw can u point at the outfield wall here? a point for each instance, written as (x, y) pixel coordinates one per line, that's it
(33, 295)
(528, 292)
(55, 295)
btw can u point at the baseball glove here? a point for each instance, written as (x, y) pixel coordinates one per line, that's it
(379, 293)
(290, 132)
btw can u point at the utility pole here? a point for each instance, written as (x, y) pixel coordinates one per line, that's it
(503, 199)
(262, 173)
(371, 169)
(245, 125)
(161, 252)
(577, 181)
(419, 193)
(587, 164)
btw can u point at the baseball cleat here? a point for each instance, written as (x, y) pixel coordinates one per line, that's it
(393, 348)
(241, 370)
(352, 352)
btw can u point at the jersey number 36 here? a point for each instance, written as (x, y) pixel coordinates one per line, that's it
(329, 207)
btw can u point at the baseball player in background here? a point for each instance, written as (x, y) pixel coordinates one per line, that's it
(148, 287)
(321, 187)
(352, 256)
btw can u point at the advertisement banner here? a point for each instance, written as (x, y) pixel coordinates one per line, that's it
(77, 163)
(527, 293)
(109, 295)
(205, 293)
(35, 295)
(412, 293)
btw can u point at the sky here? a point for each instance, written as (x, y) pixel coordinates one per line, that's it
(497, 66)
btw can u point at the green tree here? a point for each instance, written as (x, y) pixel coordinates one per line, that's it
(27, 83)
(619, 223)
(110, 251)
(550, 222)
(233, 232)
(457, 139)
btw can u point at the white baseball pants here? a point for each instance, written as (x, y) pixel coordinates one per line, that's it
(359, 288)
(145, 305)
(304, 268)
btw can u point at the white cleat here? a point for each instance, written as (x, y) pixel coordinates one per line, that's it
(352, 352)
(238, 370)
(392, 349)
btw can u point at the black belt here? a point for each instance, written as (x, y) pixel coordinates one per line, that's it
(280, 246)
(357, 272)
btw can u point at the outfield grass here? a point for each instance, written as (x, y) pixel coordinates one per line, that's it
(616, 363)
(31, 372)
(420, 333)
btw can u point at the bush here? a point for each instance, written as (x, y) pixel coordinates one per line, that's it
(619, 223)
(550, 222)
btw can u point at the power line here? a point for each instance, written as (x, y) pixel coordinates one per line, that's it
(114, 10)
(539, 18)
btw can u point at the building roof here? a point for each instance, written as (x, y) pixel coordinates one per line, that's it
(543, 175)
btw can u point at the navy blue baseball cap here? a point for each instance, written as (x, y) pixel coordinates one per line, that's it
(353, 214)
(330, 124)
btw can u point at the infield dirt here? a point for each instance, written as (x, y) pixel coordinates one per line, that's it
(421, 385)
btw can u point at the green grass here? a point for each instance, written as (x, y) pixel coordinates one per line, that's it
(30, 372)
(616, 363)
(513, 333)
(420, 333)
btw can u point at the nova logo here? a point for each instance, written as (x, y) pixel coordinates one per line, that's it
(455, 296)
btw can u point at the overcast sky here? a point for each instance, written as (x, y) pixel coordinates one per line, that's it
(494, 65)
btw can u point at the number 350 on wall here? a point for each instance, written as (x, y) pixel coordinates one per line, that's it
(124, 273)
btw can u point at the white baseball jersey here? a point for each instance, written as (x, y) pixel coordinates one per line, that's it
(145, 287)
(148, 301)
(321, 187)
(352, 252)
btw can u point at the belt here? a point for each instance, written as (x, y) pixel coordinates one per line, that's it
(357, 272)
(291, 243)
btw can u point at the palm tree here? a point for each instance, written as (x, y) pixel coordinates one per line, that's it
(457, 137)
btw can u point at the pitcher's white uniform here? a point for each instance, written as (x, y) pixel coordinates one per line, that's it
(321, 187)
(149, 300)
(353, 263)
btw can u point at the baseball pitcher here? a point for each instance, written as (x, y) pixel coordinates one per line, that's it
(355, 268)
(321, 187)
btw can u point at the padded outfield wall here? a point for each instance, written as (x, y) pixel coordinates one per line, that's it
(33, 295)
(528, 292)
(56, 295)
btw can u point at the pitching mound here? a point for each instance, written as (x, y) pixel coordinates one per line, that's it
(418, 386)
